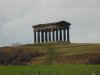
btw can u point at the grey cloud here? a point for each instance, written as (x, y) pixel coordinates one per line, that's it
(17, 17)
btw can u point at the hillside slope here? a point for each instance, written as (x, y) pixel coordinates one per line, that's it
(60, 53)
(63, 53)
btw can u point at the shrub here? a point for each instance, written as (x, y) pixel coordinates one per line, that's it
(95, 60)
(1, 57)
(17, 55)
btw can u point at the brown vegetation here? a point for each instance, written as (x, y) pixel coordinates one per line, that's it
(56, 54)
(17, 55)
(89, 58)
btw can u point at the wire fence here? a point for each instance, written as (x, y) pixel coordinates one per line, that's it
(59, 72)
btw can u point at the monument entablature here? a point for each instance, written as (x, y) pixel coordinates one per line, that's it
(52, 26)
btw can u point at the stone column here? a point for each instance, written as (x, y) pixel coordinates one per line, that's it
(34, 36)
(53, 35)
(60, 34)
(64, 34)
(68, 35)
(45, 35)
(42, 36)
(49, 35)
(56, 35)
(38, 34)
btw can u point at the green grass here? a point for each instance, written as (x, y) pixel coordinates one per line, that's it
(80, 49)
(50, 70)
(64, 50)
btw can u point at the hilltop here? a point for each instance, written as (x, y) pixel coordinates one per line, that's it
(61, 53)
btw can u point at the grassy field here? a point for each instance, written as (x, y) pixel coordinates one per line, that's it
(50, 70)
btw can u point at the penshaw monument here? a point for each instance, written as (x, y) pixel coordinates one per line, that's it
(52, 32)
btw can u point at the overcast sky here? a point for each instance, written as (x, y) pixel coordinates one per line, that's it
(18, 16)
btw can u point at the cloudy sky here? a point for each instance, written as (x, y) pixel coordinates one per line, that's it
(18, 16)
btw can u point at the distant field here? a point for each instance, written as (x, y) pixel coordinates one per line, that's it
(50, 70)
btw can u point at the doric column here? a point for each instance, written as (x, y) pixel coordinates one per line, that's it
(60, 33)
(38, 34)
(53, 35)
(34, 36)
(56, 35)
(45, 35)
(64, 34)
(49, 35)
(68, 35)
(42, 36)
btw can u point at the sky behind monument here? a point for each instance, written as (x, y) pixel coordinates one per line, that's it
(18, 16)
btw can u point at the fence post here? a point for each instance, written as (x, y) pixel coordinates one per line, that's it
(39, 72)
(48, 72)
(22, 72)
(14, 72)
(57, 72)
(6, 72)
(84, 72)
(65, 72)
(31, 72)
(94, 73)
(74, 72)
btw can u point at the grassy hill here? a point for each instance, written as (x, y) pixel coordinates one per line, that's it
(57, 53)
(67, 59)
(64, 53)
